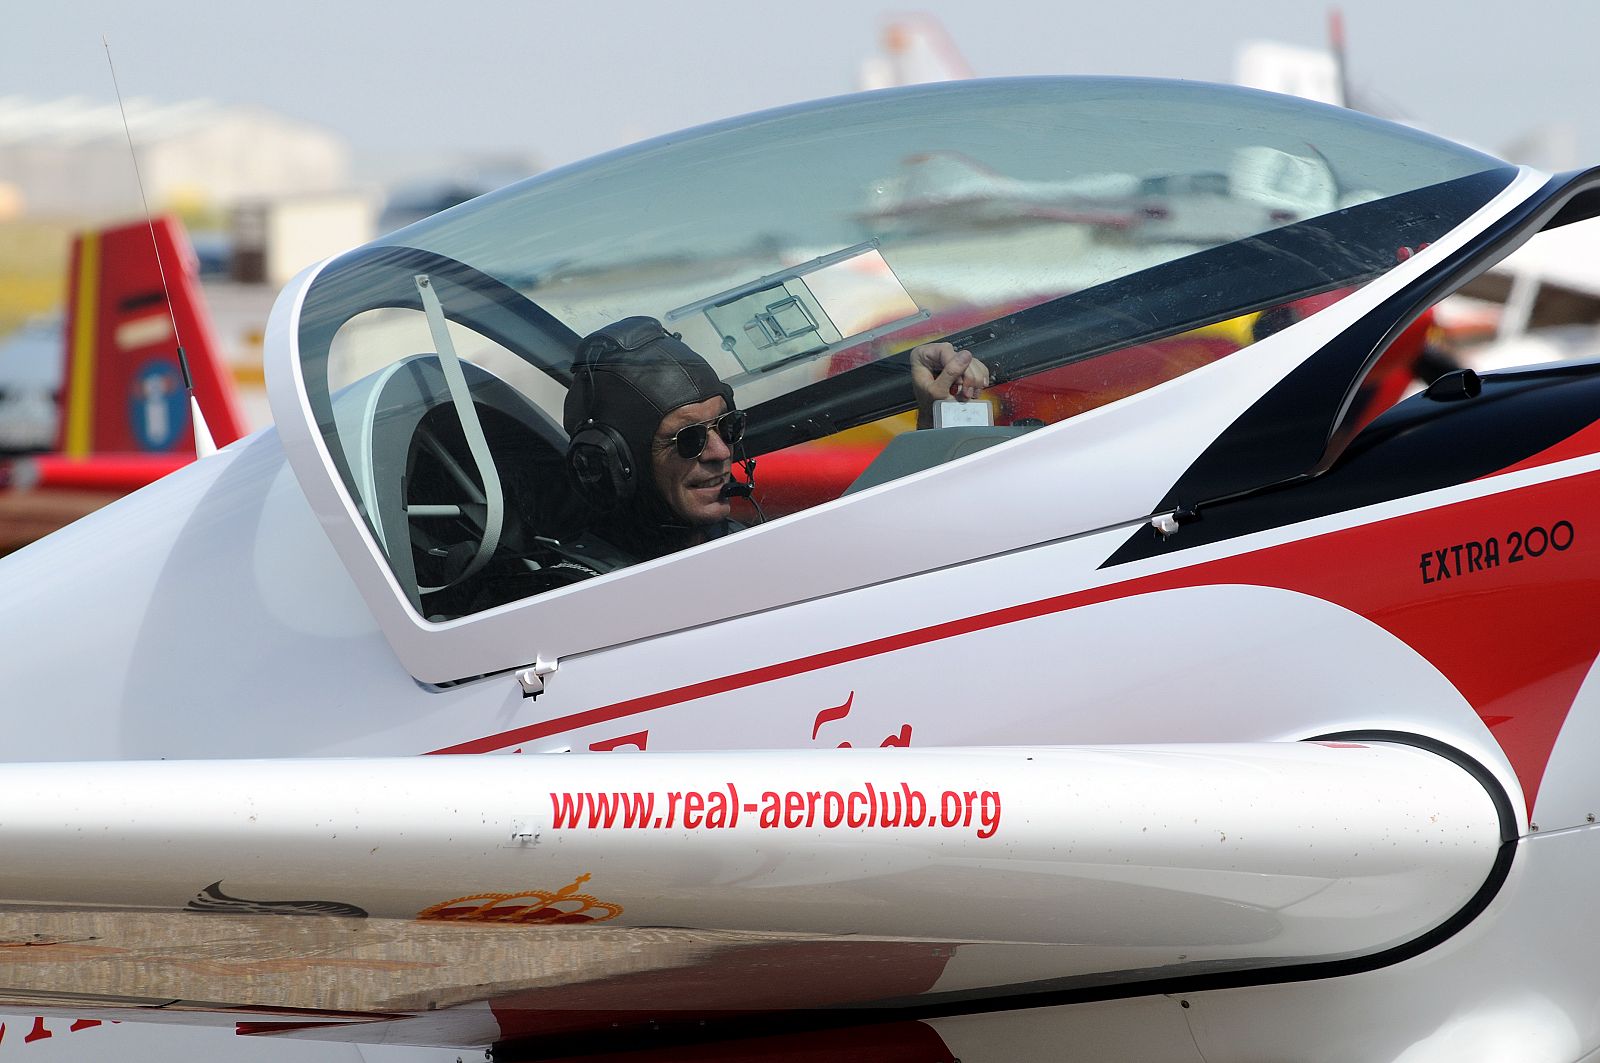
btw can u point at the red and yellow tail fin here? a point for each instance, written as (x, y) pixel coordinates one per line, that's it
(123, 385)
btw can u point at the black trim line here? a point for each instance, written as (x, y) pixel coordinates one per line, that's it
(1504, 810)
(1275, 443)
(666, 1034)
(1581, 207)
(1417, 446)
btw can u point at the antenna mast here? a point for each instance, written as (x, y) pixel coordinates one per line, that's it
(204, 445)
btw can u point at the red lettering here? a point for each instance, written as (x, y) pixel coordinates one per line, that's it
(637, 740)
(794, 806)
(902, 739)
(989, 816)
(39, 1031)
(694, 804)
(837, 712)
(832, 809)
(916, 806)
(564, 810)
(636, 809)
(719, 809)
(602, 810)
(899, 809)
(853, 818)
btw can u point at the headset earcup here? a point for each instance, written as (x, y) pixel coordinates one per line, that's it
(601, 466)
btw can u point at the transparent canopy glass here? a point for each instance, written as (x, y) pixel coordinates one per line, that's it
(1085, 238)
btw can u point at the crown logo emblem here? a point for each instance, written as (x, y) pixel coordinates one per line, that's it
(566, 906)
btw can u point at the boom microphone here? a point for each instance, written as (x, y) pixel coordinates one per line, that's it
(736, 488)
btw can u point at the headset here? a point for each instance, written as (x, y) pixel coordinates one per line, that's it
(599, 460)
(603, 464)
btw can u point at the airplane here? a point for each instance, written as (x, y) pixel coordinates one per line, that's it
(1539, 304)
(30, 369)
(913, 48)
(1170, 709)
(98, 407)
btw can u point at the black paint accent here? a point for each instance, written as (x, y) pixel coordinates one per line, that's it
(1583, 205)
(1295, 432)
(1418, 445)
(141, 300)
(212, 900)
(665, 1033)
(1503, 809)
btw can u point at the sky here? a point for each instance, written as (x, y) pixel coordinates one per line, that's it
(413, 84)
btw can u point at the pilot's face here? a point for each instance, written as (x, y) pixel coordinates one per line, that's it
(692, 487)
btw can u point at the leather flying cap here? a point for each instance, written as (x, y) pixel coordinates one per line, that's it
(631, 374)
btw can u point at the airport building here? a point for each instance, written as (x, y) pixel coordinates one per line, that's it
(70, 157)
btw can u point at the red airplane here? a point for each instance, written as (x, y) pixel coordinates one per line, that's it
(123, 416)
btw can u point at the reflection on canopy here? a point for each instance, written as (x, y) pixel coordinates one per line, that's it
(1086, 238)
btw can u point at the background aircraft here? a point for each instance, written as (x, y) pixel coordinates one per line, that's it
(30, 367)
(99, 408)
(1541, 303)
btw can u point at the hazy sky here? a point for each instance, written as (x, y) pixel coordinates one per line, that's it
(416, 81)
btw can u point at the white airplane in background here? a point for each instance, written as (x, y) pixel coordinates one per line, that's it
(914, 48)
(30, 386)
(1539, 304)
(1187, 706)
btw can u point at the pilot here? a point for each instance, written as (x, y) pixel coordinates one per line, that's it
(653, 432)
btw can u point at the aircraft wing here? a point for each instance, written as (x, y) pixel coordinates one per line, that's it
(474, 900)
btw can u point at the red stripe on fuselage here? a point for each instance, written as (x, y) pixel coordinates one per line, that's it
(1515, 637)
(756, 676)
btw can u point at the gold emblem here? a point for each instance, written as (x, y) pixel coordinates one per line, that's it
(565, 906)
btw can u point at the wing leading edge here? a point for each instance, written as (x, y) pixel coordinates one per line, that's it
(573, 889)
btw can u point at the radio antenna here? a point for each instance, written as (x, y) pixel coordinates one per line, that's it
(204, 445)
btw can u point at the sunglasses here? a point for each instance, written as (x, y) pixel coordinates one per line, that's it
(690, 440)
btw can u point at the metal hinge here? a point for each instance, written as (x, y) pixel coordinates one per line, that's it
(532, 678)
(1166, 525)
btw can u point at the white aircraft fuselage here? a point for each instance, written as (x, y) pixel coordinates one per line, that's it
(1168, 738)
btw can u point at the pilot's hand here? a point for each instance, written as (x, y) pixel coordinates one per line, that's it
(939, 371)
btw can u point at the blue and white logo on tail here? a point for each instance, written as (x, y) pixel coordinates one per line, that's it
(157, 408)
